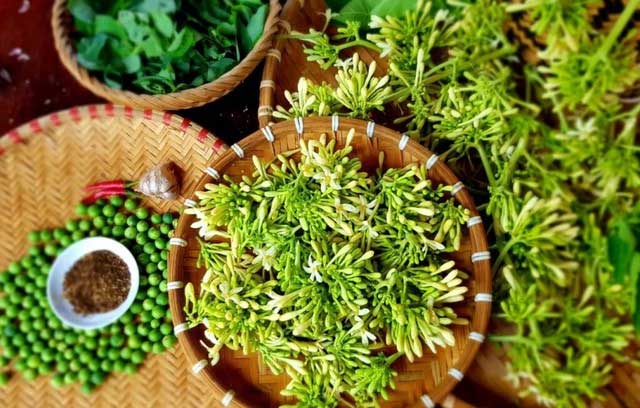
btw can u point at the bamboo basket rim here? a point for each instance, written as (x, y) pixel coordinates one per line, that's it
(187, 98)
(23, 133)
(480, 257)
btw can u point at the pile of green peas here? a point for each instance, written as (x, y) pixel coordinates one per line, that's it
(35, 342)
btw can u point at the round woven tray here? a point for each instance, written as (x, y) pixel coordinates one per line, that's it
(244, 379)
(43, 166)
(188, 98)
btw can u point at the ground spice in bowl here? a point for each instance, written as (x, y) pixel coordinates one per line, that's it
(97, 283)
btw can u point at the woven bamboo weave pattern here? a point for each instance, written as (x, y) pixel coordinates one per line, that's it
(188, 98)
(43, 167)
(432, 376)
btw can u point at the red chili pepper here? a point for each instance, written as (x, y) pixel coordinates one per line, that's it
(106, 193)
(105, 185)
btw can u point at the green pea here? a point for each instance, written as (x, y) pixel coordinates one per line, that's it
(102, 353)
(132, 221)
(164, 255)
(14, 268)
(116, 201)
(93, 233)
(50, 250)
(47, 355)
(158, 312)
(77, 235)
(135, 341)
(98, 378)
(125, 353)
(108, 211)
(33, 362)
(33, 236)
(84, 225)
(137, 249)
(142, 226)
(35, 313)
(162, 265)
(129, 329)
(154, 292)
(155, 336)
(41, 281)
(120, 219)
(149, 248)
(167, 218)
(65, 241)
(130, 368)
(148, 304)
(99, 222)
(69, 355)
(38, 347)
(165, 229)
(21, 365)
(105, 231)
(142, 213)
(163, 286)
(81, 209)
(160, 244)
(71, 225)
(30, 374)
(156, 218)
(24, 353)
(46, 235)
(143, 258)
(10, 330)
(24, 315)
(143, 330)
(157, 348)
(155, 278)
(14, 298)
(94, 210)
(116, 340)
(151, 268)
(94, 365)
(70, 377)
(118, 366)
(130, 204)
(126, 318)
(87, 388)
(58, 379)
(153, 234)
(103, 341)
(26, 262)
(85, 357)
(106, 366)
(154, 324)
(130, 233)
(84, 375)
(58, 233)
(137, 357)
(44, 369)
(74, 365)
(9, 351)
(136, 308)
(154, 257)
(141, 239)
(21, 280)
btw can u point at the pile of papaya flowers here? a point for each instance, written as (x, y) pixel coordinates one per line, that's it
(548, 149)
(318, 266)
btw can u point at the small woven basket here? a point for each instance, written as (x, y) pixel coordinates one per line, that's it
(44, 165)
(189, 98)
(244, 379)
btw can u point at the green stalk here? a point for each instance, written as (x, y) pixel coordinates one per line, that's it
(358, 43)
(515, 8)
(486, 164)
(622, 21)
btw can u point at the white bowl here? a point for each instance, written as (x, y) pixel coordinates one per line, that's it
(63, 263)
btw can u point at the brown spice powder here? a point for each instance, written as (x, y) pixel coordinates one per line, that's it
(97, 283)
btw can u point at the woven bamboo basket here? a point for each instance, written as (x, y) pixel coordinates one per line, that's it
(188, 98)
(43, 166)
(244, 379)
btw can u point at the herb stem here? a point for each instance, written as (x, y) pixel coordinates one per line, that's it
(358, 43)
(621, 22)
(511, 165)
(486, 164)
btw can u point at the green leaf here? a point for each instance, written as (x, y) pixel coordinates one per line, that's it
(150, 6)
(152, 47)
(255, 27)
(132, 63)
(89, 50)
(136, 32)
(182, 43)
(621, 246)
(109, 25)
(395, 8)
(81, 10)
(163, 24)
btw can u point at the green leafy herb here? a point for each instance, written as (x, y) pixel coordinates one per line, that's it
(162, 46)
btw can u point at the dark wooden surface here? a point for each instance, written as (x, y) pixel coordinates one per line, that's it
(33, 83)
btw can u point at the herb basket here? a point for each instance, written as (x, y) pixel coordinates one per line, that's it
(44, 165)
(188, 98)
(243, 380)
